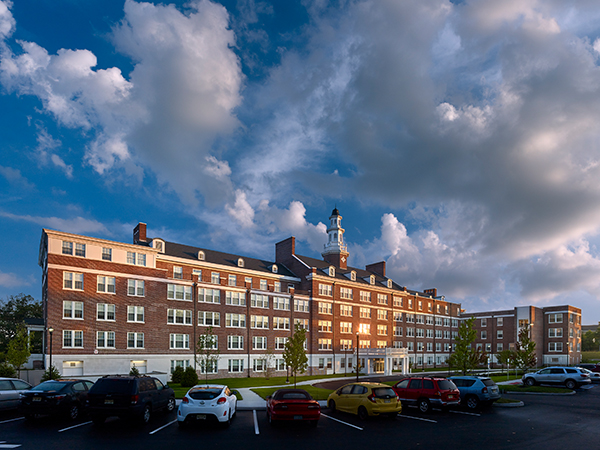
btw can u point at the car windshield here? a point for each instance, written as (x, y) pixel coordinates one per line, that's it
(384, 392)
(446, 385)
(488, 382)
(49, 386)
(113, 386)
(204, 393)
(295, 395)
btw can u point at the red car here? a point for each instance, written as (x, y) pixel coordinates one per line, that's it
(292, 405)
(425, 392)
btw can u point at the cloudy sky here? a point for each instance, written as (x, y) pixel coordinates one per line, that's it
(460, 140)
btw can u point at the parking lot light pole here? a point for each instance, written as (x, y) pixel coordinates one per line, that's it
(357, 360)
(50, 330)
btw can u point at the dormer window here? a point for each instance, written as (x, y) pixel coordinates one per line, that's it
(201, 255)
(159, 245)
(331, 271)
(372, 279)
(353, 275)
(274, 268)
(389, 283)
(240, 262)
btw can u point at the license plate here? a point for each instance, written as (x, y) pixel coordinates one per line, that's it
(297, 417)
(451, 396)
(36, 399)
(109, 401)
(201, 416)
(387, 401)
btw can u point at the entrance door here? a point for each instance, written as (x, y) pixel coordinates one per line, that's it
(379, 365)
(72, 368)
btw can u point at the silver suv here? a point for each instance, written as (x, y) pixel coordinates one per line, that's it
(571, 377)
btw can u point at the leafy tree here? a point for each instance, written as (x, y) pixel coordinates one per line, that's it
(294, 354)
(6, 370)
(18, 350)
(465, 358)
(189, 378)
(506, 358)
(207, 352)
(590, 341)
(50, 374)
(269, 358)
(177, 374)
(13, 312)
(525, 350)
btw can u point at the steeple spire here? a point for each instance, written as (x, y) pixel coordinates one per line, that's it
(335, 251)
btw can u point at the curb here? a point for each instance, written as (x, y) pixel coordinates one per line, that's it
(509, 405)
(540, 393)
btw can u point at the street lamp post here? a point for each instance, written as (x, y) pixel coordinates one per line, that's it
(357, 360)
(50, 330)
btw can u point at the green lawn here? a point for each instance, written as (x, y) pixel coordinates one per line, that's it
(245, 382)
(590, 356)
(317, 393)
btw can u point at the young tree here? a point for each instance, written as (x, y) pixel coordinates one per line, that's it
(525, 349)
(18, 349)
(269, 358)
(13, 312)
(465, 358)
(207, 352)
(294, 354)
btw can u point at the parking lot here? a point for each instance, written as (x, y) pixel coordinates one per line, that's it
(545, 422)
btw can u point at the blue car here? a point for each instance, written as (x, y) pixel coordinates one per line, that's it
(476, 392)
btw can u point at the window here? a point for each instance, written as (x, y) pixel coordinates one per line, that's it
(281, 323)
(410, 332)
(280, 364)
(178, 272)
(382, 299)
(80, 250)
(209, 295)
(555, 346)
(197, 273)
(488, 347)
(484, 334)
(420, 332)
(499, 347)
(301, 305)
(499, 334)
(345, 327)
(484, 322)
(280, 343)
(429, 333)
(555, 332)
(324, 308)
(259, 342)
(208, 366)
(105, 339)
(410, 346)
(67, 248)
(235, 298)
(346, 344)
(420, 305)
(398, 331)
(135, 340)
(235, 342)
(325, 289)
(454, 323)
(324, 326)
(419, 346)
(364, 328)
(259, 322)
(135, 288)
(209, 319)
(372, 279)
(438, 321)
(382, 330)
(410, 318)
(419, 319)
(201, 255)
(183, 363)
(331, 271)
(240, 262)
(398, 316)
(365, 313)
(73, 281)
(353, 275)
(105, 311)
(364, 344)
(235, 365)
(389, 283)
(179, 316)
(179, 292)
(398, 302)
(106, 254)
(429, 320)
(259, 301)
(72, 310)
(235, 320)
(346, 310)
(324, 344)
(232, 280)
(555, 318)
(106, 284)
(72, 339)
(259, 365)
(178, 341)
(346, 293)
(429, 347)
(215, 278)
(248, 280)
(135, 314)
(263, 285)
(138, 259)
(382, 314)
(365, 296)
(410, 303)
(281, 303)
(302, 323)
(277, 286)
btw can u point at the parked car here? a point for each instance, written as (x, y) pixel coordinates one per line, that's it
(135, 397)
(55, 397)
(365, 399)
(207, 402)
(292, 404)
(425, 392)
(476, 391)
(571, 377)
(10, 391)
(591, 367)
(594, 376)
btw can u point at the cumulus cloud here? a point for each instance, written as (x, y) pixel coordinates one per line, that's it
(11, 280)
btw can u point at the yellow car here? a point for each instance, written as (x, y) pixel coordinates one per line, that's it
(365, 399)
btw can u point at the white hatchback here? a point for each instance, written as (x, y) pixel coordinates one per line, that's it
(206, 402)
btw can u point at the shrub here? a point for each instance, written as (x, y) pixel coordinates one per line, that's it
(177, 374)
(189, 378)
(50, 374)
(134, 372)
(6, 370)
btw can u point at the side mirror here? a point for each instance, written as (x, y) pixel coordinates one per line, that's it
(269, 397)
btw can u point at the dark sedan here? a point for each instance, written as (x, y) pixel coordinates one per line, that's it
(65, 398)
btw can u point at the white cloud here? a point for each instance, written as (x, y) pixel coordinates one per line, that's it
(66, 168)
(241, 211)
(7, 21)
(15, 178)
(76, 225)
(11, 280)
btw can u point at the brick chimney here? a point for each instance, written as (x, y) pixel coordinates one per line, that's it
(378, 268)
(139, 234)
(432, 292)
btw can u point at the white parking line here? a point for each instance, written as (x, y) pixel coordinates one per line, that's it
(465, 413)
(9, 445)
(418, 418)
(75, 426)
(12, 420)
(256, 430)
(345, 423)
(164, 426)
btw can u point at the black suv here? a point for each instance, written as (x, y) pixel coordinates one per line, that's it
(129, 397)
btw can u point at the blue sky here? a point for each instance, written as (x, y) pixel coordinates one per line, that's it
(459, 140)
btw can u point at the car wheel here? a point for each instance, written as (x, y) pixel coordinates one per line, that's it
(74, 412)
(98, 420)
(331, 406)
(145, 418)
(270, 419)
(472, 402)
(362, 413)
(530, 382)
(171, 404)
(424, 405)
(570, 384)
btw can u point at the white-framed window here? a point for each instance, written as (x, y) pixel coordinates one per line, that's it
(259, 365)
(232, 280)
(105, 339)
(259, 342)
(429, 320)
(346, 344)
(397, 316)
(201, 255)
(382, 314)
(183, 363)
(209, 295)
(364, 328)
(106, 254)
(135, 288)
(488, 347)
(135, 340)
(499, 347)
(397, 344)
(105, 311)
(420, 305)
(555, 346)
(280, 343)
(389, 283)
(240, 262)
(420, 319)
(410, 332)
(382, 299)
(208, 366)
(248, 280)
(398, 331)
(67, 248)
(301, 305)
(410, 346)
(302, 323)
(138, 259)
(259, 301)
(365, 313)
(429, 333)
(209, 319)
(438, 334)
(135, 314)
(325, 289)
(281, 303)
(419, 346)
(410, 318)
(197, 273)
(72, 310)
(454, 323)
(382, 330)
(261, 322)
(555, 332)
(325, 308)
(263, 285)
(499, 334)
(397, 302)
(281, 323)
(235, 365)
(178, 272)
(277, 286)
(106, 284)
(215, 278)
(353, 276)
(484, 322)
(372, 280)
(364, 344)
(410, 303)
(324, 326)
(179, 292)
(420, 332)
(555, 318)
(72, 339)
(365, 296)
(381, 344)
(346, 293)
(235, 342)
(346, 327)
(483, 334)
(179, 316)
(331, 271)
(345, 310)
(280, 364)
(235, 298)
(439, 321)
(73, 281)
(80, 250)
(235, 320)
(177, 341)
(324, 344)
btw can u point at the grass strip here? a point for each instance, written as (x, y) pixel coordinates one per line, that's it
(316, 393)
